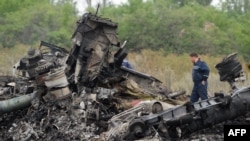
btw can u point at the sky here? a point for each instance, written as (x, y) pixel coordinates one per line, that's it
(81, 4)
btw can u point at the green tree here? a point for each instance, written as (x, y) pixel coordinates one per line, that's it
(32, 21)
(179, 29)
(186, 2)
(236, 6)
(8, 6)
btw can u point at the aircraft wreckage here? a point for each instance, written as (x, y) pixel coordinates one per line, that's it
(86, 94)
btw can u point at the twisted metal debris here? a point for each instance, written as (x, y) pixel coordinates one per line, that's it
(85, 94)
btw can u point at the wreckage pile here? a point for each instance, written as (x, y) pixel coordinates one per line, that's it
(86, 94)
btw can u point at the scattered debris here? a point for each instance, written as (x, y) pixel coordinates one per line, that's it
(86, 94)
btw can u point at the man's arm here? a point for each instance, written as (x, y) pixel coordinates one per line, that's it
(205, 71)
(130, 66)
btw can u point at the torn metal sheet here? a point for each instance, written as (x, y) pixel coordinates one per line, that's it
(16, 103)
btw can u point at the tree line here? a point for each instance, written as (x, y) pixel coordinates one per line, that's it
(184, 26)
(28, 21)
(173, 26)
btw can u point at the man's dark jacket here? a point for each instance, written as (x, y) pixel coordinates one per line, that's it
(200, 71)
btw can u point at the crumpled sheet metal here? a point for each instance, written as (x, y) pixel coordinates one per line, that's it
(131, 88)
(57, 84)
(117, 125)
(56, 79)
(16, 103)
(93, 36)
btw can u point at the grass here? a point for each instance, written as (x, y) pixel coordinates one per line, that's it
(9, 57)
(173, 70)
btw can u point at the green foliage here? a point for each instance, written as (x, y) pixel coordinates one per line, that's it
(173, 26)
(175, 71)
(235, 7)
(32, 21)
(180, 26)
(8, 6)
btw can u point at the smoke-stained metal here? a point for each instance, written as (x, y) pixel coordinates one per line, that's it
(16, 103)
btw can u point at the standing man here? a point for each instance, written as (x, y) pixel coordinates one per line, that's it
(200, 75)
(125, 63)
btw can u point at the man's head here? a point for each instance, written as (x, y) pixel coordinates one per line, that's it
(194, 57)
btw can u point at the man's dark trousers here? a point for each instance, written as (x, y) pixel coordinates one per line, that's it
(199, 91)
